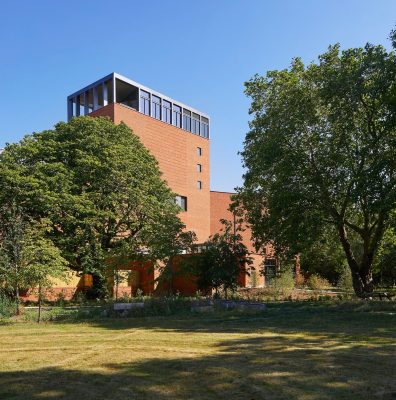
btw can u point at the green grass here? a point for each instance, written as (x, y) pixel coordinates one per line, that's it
(301, 351)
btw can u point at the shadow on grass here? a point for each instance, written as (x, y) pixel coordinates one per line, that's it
(331, 319)
(253, 368)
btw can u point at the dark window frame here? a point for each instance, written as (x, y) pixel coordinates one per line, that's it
(181, 201)
(195, 126)
(145, 103)
(176, 116)
(166, 111)
(156, 107)
(186, 120)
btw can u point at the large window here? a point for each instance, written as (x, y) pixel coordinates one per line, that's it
(166, 111)
(204, 127)
(187, 120)
(270, 270)
(144, 102)
(181, 201)
(176, 115)
(156, 107)
(163, 110)
(195, 123)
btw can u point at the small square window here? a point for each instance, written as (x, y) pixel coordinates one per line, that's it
(181, 201)
(199, 167)
(199, 151)
(199, 185)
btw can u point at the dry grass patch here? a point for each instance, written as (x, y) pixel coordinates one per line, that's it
(291, 351)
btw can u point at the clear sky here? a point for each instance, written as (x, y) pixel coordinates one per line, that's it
(197, 52)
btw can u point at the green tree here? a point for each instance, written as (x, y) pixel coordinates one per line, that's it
(28, 258)
(385, 265)
(321, 153)
(169, 249)
(222, 259)
(324, 257)
(99, 186)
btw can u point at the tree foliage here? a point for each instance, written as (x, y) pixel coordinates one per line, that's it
(385, 264)
(98, 185)
(321, 152)
(28, 257)
(223, 259)
(325, 257)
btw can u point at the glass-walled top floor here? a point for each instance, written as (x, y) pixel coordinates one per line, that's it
(115, 88)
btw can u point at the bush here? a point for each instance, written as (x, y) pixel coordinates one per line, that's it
(165, 306)
(7, 306)
(300, 280)
(284, 283)
(154, 306)
(316, 282)
(345, 280)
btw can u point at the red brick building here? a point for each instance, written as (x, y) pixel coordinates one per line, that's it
(178, 136)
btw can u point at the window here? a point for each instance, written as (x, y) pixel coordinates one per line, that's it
(144, 102)
(127, 94)
(181, 201)
(199, 185)
(176, 116)
(187, 120)
(166, 111)
(204, 127)
(270, 263)
(199, 167)
(199, 151)
(156, 107)
(269, 270)
(195, 124)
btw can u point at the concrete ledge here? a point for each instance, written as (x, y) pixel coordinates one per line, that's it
(202, 309)
(240, 305)
(127, 306)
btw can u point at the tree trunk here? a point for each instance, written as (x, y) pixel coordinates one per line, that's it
(116, 283)
(17, 301)
(363, 281)
(362, 275)
(39, 304)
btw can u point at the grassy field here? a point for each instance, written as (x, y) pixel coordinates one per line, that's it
(291, 351)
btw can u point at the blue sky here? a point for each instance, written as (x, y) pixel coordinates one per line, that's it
(198, 52)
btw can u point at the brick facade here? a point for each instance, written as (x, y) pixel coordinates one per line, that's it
(177, 156)
(182, 167)
(220, 209)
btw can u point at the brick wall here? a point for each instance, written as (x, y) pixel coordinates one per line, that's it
(176, 153)
(219, 209)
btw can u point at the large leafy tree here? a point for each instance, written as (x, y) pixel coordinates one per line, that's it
(99, 186)
(321, 154)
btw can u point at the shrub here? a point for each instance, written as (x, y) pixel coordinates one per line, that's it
(7, 306)
(300, 280)
(139, 294)
(284, 283)
(316, 282)
(345, 280)
(254, 279)
(162, 306)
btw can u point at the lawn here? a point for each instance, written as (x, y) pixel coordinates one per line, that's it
(301, 351)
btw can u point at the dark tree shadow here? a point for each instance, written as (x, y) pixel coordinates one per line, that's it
(255, 368)
(297, 356)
